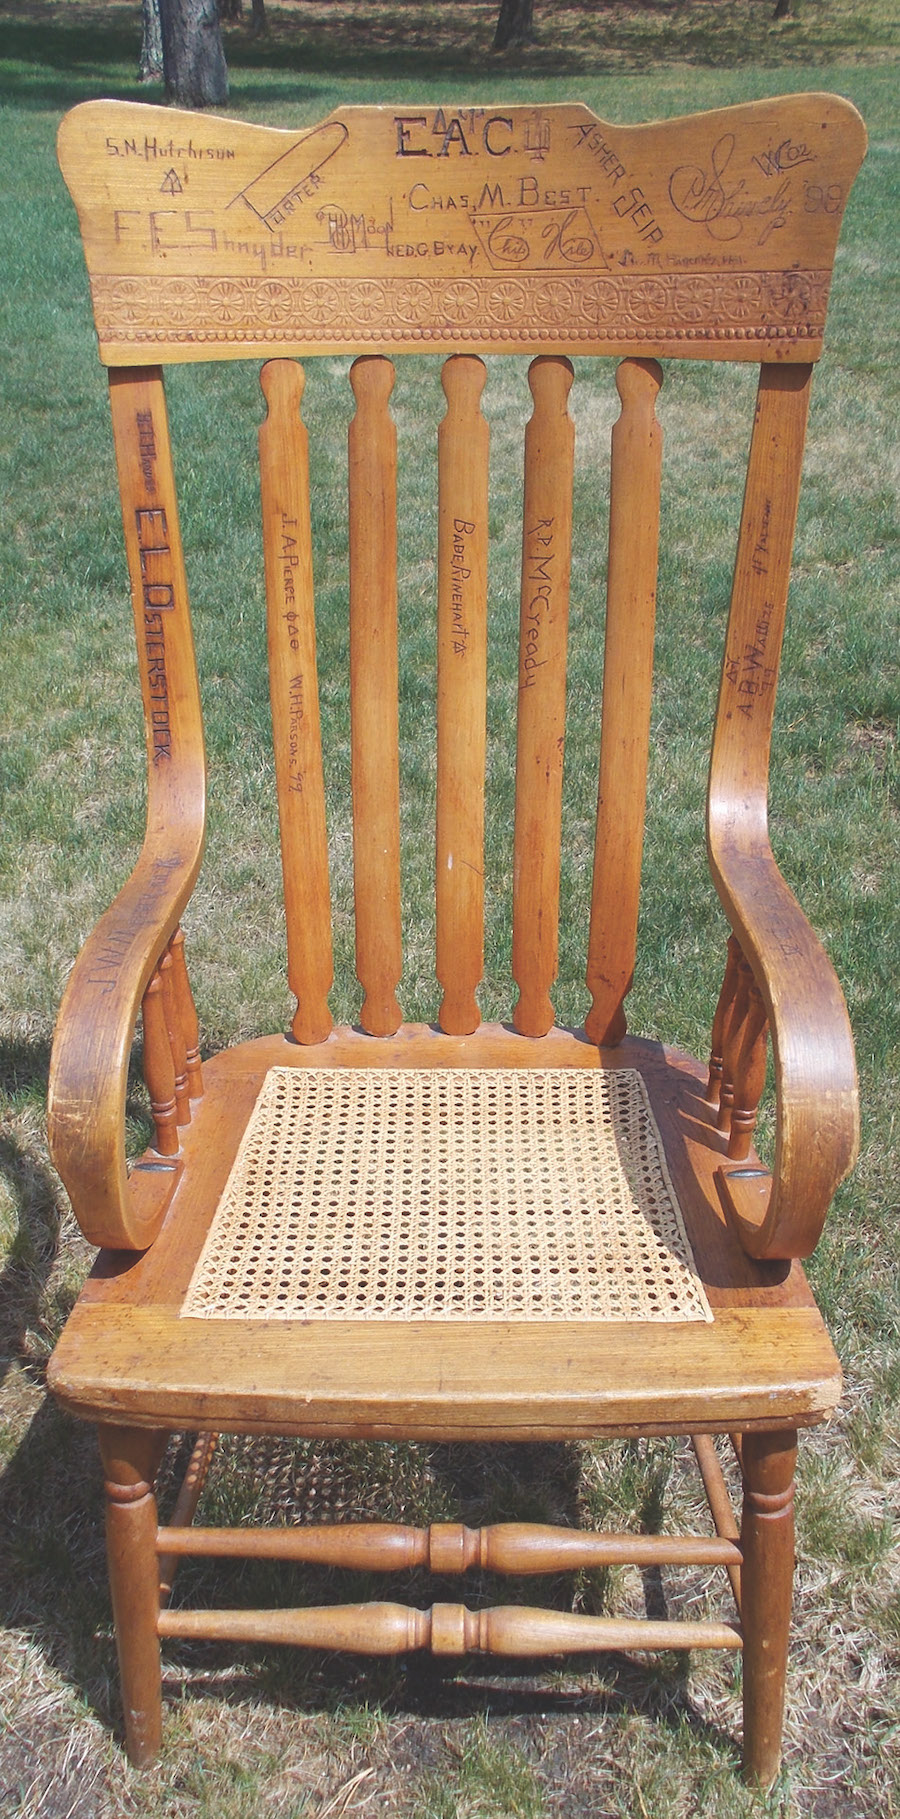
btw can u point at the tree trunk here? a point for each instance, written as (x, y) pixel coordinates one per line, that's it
(514, 24)
(150, 68)
(193, 57)
(234, 9)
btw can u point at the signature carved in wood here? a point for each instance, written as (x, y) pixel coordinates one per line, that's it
(533, 228)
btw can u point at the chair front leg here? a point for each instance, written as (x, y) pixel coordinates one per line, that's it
(767, 1534)
(131, 1457)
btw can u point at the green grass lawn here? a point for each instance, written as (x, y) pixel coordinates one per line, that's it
(277, 1733)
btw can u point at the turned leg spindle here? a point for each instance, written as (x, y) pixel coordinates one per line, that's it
(767, 1535)
(185, 1506)
(187, 1014)
(735, 1023)
(159, 1069)
(749, 1075)
(720, 1020)
(177, 1044)
(130, 1460)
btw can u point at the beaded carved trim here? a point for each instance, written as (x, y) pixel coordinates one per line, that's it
(673, 306)
(449, 1194)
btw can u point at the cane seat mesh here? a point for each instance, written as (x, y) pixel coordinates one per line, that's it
(450, 1194)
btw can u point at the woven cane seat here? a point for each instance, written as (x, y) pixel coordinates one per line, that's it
(452, 1194)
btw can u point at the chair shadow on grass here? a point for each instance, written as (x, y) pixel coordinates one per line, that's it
(34, 1193)
(53, 1586)
(53, 1589)
(333, 1481)
(51, 1559)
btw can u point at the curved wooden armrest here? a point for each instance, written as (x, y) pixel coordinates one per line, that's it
(89, 1068)
(92, 1044)
(815, 1072)
(817, 1127)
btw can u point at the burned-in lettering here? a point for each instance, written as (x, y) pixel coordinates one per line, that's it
(539, 554)
(459, 574)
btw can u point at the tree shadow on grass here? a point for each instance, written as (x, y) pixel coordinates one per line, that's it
(92, 61)
(95, 48)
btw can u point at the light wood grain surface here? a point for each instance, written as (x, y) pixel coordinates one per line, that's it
(521, 229)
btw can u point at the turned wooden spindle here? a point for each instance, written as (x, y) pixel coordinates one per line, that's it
(185, 1505)
(177, 1043)
(159, 1068)
(749, 1074)
(187, 1014)
(450, 1547)
(446, 1629)
(767, 1535)
(720, 1020)
(731, 1048)
(130, 1461)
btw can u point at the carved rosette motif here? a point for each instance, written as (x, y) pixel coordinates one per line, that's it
(675, 306)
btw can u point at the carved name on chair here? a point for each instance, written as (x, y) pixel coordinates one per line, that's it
(520, 228)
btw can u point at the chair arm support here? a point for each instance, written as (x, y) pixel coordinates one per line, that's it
(817, 1117)
(89, 1068)
(815, 1073)
(94, 1034)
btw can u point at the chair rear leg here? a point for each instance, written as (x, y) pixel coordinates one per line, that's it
(767, 1533)
(130, 1460)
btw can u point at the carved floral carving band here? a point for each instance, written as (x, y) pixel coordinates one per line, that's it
(329, 311)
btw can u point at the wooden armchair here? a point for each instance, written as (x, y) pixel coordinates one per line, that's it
(456, 1231)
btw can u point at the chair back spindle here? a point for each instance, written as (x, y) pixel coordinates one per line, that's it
(375, 759)
(740, 754)
(627, 685)
(543, 636)
(462, 692)
(294, 690)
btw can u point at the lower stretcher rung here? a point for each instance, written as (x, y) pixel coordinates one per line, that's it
(446, 1629)
(450, 1547)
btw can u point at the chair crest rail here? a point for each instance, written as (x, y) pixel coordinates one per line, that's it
(521, 229)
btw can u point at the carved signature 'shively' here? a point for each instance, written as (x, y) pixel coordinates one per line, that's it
(724, 210)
